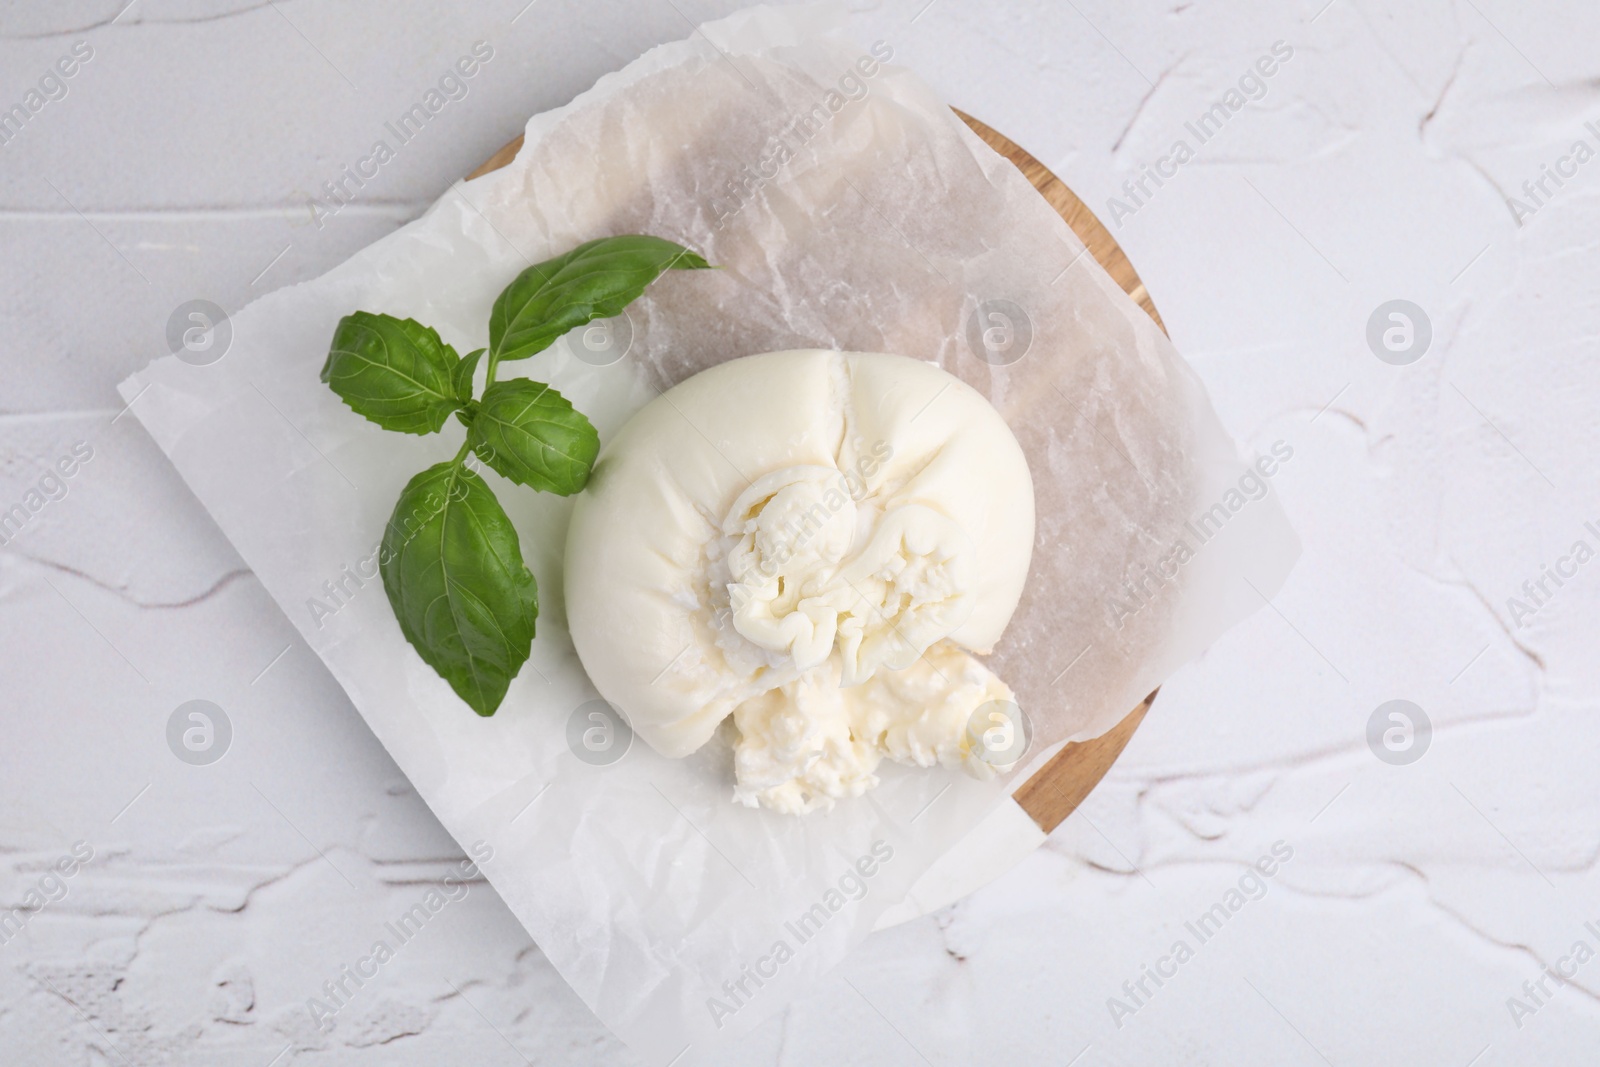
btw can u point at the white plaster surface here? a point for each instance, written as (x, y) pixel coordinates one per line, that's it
(1419, 898)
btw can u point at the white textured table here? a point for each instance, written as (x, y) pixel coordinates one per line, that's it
(1424, 896)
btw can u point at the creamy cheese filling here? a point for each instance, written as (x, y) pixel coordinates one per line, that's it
(799, 586)
(811, 741)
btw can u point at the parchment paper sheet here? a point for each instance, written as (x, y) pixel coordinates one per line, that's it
(881, 224)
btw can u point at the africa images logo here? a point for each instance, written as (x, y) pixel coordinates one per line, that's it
(851, 886)
(1250, 87)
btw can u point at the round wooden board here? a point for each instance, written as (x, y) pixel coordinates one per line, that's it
(1057, 788)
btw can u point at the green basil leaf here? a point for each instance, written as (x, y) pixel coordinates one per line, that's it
(593, 281)
(531, 434)
(453, 569)
(395, 372)
(461, 377)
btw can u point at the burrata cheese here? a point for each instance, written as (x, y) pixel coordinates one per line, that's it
(813, 543)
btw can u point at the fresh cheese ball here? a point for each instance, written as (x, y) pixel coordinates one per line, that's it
(787, 536)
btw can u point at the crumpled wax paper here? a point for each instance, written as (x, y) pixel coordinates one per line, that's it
(848, 208)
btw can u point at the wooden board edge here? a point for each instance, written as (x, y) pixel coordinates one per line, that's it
(1056, 789)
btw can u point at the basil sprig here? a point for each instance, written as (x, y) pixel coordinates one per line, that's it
(450, 558)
